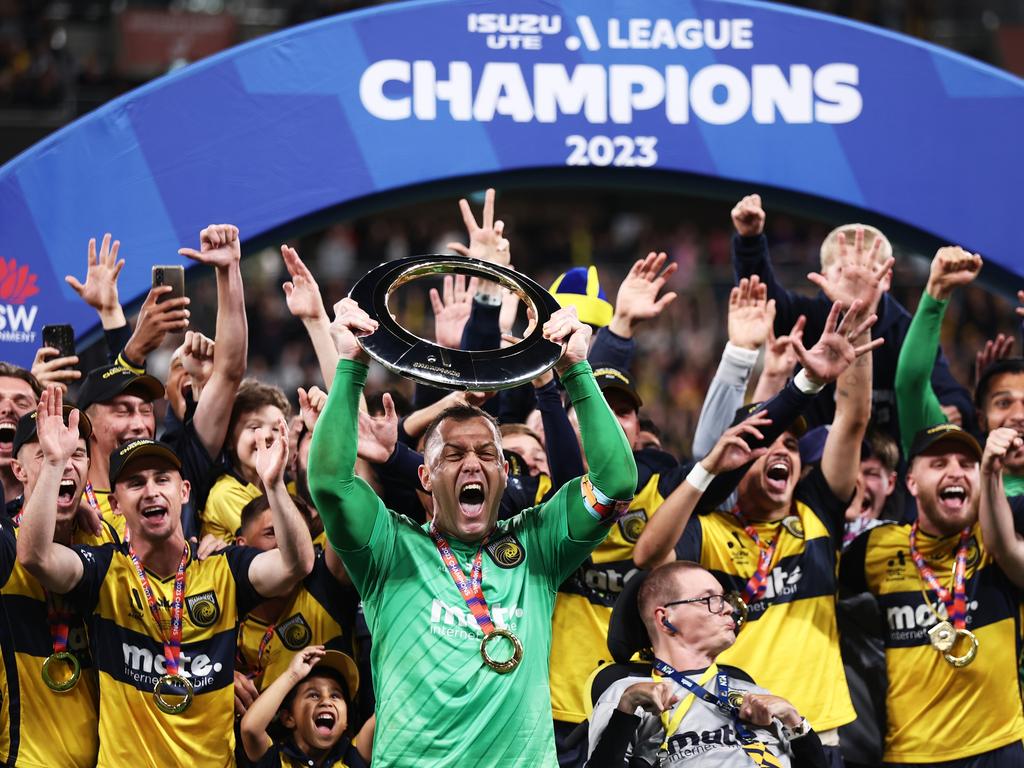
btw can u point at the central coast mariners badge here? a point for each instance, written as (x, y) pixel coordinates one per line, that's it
(295, 632)
(506, 551)
(793, 525)
(632, 525)
(203, 608)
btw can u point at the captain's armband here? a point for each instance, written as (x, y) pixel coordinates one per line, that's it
(602, 507)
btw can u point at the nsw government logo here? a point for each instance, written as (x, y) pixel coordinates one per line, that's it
(17, 319)
(506, 552)
(295, 632)
(203, 608)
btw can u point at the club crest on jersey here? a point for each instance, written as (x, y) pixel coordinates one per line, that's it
(632, 524)
(295, 633)
(506, 551)
(203, 608)
(792, 524)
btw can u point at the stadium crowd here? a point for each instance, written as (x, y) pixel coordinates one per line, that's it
(826, 571)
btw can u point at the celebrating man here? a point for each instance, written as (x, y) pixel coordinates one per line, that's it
(163, 624)
(460, 608)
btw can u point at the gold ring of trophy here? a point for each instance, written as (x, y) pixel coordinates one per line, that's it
(186, 692)
(426, 362)
(60, 686)
(517, 651)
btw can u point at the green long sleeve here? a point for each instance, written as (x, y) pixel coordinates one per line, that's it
(610, 462)
(916, 403)
(347, 505)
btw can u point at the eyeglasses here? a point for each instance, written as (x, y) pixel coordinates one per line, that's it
(717, 604)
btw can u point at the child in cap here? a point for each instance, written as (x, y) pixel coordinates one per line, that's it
(311, 700)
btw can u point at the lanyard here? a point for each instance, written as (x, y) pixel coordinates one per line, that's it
(671, 725)
(472, 589)
(257, 669)
(955, 602)
(172, 641)
(719, 699)
(758, 583)
(58, 617)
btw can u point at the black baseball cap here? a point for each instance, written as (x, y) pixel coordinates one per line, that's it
(109, 381)
(124, 455)
(941, 433)
(613, 378)
(25, 432)
(744, 412)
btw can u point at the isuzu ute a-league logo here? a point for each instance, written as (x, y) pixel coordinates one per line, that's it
(17, 319)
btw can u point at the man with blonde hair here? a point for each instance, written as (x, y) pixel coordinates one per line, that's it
(850, 241)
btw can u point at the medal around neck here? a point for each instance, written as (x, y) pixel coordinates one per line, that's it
(176, 686)
(426, 362)
(502, 667)
(969, 656)
(67, 683)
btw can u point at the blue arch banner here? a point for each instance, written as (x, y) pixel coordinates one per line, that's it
(400, 95)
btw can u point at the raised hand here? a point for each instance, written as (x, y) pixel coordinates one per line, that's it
(272, 453)
(751, 314)
(748, 216)
(951, 268)
(779, 357)
(998, 444)
(486, 241)
(304, 661)
(834, 353)
(156, 319)
(311, 405)
(652, 697)
(732, 451)
(995, 349)
(378, 435)
(219, 246)
(301, 292)
(57, 440)
(565, 328)
(637, 299)
(349, 322)
(197, 353)
(54, 370)
(859, 274)
(99, 290)
(452, 308)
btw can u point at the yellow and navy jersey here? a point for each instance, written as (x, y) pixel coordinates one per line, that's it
(288, 755)
(42, 728)
(978, 705)
(319, 612)
(114, 528)
(583, 606)
(797, 612)
(128, 653)
(222, 515)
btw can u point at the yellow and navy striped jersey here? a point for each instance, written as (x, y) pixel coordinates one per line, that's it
(222, 515)
(114, 528)
(43, 728)
(319, 612)
(977, 706)
(287, 755)
(128, 652)
(797, 613)
(583, 606)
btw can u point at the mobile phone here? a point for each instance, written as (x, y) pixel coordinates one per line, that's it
(60, 337)
(173, 276)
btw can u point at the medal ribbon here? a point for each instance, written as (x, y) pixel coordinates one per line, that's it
(172, 641)
(752, 746)
(58, 617)
(956, 603)
(472, 589)
(758, 583)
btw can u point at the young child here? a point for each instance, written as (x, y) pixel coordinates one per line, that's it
(311, 699)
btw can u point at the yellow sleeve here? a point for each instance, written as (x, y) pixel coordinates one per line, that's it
(222, 516)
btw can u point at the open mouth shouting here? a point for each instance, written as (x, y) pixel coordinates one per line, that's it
(777, 472)
(954, 497)
(472, 495)
(324, 722)
(67, 494)
(7, 428)
(154, 513)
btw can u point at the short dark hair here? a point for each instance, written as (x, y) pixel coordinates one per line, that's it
(659, 585)
(647, 425)
(17, 372)
(883, 447)
(321, 671)
(459, 413)
(256, 507)
(999, 367)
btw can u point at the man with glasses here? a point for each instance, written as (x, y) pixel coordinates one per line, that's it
(691, 708)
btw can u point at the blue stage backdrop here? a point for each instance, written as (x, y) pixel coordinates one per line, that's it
(399, 95)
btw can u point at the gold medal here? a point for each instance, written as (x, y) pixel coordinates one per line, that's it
(967, 658)
(502, 667)
(942, 636)
(62, 686)
(736, 699)
(739, 608)
(186, 693)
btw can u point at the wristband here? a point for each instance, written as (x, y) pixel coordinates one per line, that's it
(801, 729)
(699, 477)
(804, 384)
(488, 299)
